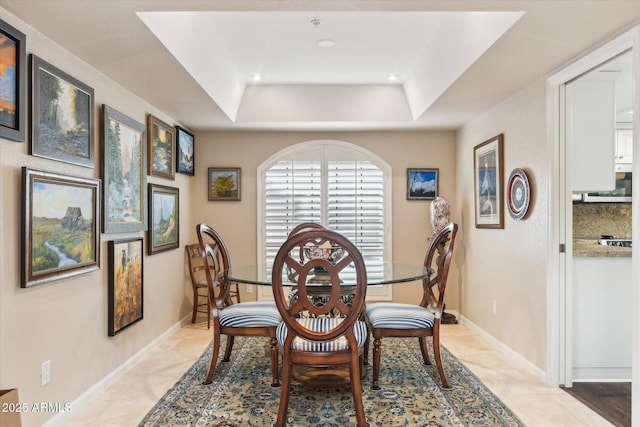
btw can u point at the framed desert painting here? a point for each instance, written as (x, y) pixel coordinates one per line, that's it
(125, 284)
(164, 220)
(162, 148)
(62, 119)
(13, 85)
(224, 183)
(124, 172)
(488, 180)
(60, 226)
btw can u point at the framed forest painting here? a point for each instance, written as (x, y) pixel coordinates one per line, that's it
(60, 226)
(124, 173)
(164, 220)
(125, 284)
(162, 148)
(62, 119)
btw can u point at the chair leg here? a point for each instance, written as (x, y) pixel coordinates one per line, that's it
(356, 389)
(214, 355)
(437, 355)
(208, 312)
(284, 392)
(375, 385)
(196, 300)
(275, 382)
(227, 351)
(423, 350)
(367, 343)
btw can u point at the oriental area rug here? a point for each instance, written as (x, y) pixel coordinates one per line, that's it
(410, 395)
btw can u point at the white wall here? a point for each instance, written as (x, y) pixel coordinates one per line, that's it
(66, 321)
(508, 265)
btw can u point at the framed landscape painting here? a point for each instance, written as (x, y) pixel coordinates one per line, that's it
(488, 183)
(13, 85)
(224, 183)
(125, 284)
(162, 148)
(164, 220)
(124, 172)
(185, 148)
(62, 119)
(60, 232)
(422, 184)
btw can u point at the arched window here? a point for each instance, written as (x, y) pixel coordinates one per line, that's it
(339, 185)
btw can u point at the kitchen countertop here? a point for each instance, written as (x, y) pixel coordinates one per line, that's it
(589, 247)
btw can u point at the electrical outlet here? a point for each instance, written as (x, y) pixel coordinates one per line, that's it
(46, 372)
(495, 307)
(248, 289)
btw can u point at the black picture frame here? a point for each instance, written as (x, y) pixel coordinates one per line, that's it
(62, 115)
(126, 284)
(124, 172)
(422, 184)
(13, 82)
(60, 226)
(185, 147)
(164, 219)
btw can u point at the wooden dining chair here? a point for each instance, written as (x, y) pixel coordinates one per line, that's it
(389, 319)
(198, 283)
(321, 339)
(255, 318)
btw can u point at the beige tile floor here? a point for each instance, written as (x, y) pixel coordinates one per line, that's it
(128, 399)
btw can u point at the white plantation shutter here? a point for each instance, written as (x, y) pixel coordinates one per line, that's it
(335, 184)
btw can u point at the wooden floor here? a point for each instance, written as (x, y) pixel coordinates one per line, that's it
(611, 400)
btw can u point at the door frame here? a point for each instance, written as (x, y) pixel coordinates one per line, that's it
(559, 273)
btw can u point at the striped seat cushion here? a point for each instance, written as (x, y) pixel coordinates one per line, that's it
(323, 324)
(251, 314)
(399, 316)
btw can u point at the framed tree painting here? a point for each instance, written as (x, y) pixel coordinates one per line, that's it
(224, 183)
(124, 172)
(13, 85)
(164, 221)
(185, 147)
(488, 180)
(162, 148)
(62, 119)
(125, 284)
(422, 184)
(60, 226)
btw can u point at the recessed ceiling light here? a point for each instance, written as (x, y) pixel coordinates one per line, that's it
(393, 77)
(326, 43)
(257, 77)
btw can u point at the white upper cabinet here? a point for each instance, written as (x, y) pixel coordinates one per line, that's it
(590, 108)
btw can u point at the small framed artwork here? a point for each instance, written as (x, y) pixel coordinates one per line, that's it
(13, 85)
(162, 148)
(125, 284)
(124, 172)
(185, 148)
(62, 119)
(224, 183)
(488, 180)
(60, 226)
(422, 184)
(164, 221)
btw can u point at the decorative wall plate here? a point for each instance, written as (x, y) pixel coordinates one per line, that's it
(518, 194)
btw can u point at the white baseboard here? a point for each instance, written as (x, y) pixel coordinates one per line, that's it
(517, 357)
(58, 419)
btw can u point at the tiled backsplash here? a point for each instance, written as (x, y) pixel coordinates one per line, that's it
(593, 219)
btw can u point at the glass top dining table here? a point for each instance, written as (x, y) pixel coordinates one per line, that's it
(383, 273)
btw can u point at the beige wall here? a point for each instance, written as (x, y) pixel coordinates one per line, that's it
(66, 321)
(237, 221)
(508, 265)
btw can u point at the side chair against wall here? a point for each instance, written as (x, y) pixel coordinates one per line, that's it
(198, 282)
(388, 319)
(255, 318)
(321, 339)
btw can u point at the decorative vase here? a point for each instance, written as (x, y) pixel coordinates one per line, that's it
(439, 214)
